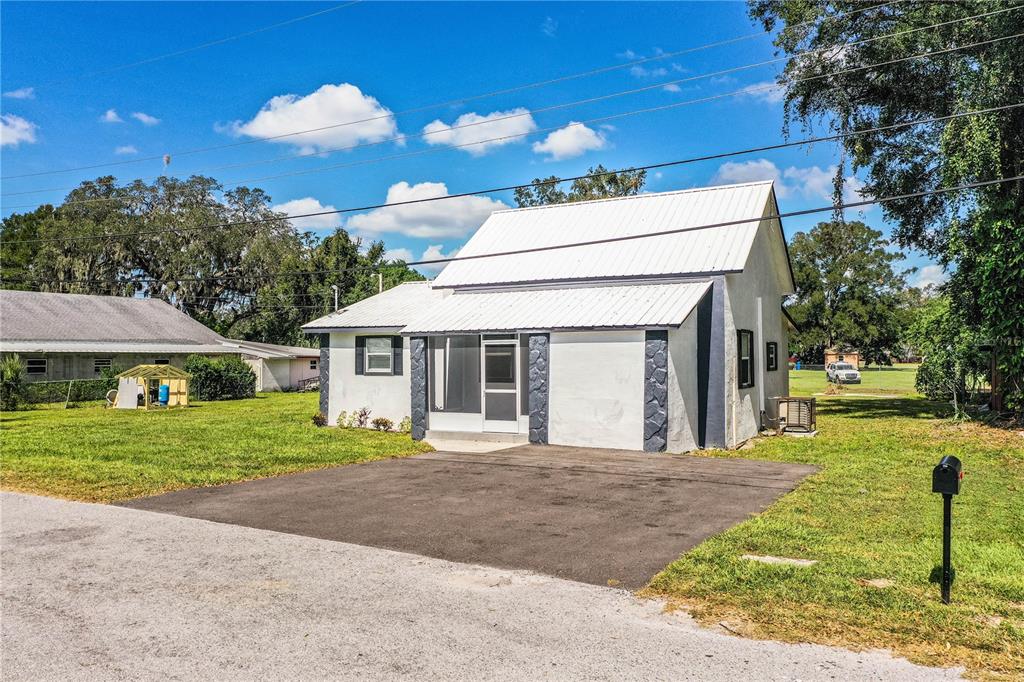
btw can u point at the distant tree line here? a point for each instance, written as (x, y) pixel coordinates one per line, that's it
(253, 276)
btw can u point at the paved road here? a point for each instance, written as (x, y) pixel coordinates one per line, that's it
(100, 592)
(579, 513)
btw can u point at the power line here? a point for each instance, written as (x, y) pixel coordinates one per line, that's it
(424, 134)
(493, 190)
(187, 50)
(610, 240)
(451, 102)
(740, 92)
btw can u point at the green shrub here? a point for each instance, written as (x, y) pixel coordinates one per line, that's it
(405, 426)
(383, 424)
(12, 383)
(227, 378)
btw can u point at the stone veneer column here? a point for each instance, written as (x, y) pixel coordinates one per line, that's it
(418, 384)
(325, 374)
(539, 374)
(656, 391)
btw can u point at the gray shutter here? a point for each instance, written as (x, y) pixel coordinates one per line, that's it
(396, 355)
(360, 354)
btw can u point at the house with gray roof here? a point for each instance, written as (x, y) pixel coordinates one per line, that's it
(651, 322)
(76, 336)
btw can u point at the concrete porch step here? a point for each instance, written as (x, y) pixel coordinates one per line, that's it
(476, 436)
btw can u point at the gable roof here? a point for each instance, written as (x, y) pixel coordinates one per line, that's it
(392, 308)
(42, 316)
(698, 252)
(43, 322)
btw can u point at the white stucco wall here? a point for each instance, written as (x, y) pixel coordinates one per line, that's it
(299, 370)
(385, 395)
(597, 389)
(682, 386)
(759, 280)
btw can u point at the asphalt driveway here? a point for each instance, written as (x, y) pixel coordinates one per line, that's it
(588, 515)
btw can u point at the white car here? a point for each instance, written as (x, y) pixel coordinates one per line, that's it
(842, 373)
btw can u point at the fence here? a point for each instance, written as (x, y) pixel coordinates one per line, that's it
(73, 391)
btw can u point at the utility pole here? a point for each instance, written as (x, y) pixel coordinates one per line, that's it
(334, 287)
(380, 282)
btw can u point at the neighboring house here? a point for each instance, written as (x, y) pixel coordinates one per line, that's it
(837, 355)
(670, 342)
(77, 336)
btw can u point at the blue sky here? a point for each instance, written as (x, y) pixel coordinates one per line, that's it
(372, 59)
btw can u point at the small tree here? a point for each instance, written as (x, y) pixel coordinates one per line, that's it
(228, 378)
(12, 383)
(954, 368)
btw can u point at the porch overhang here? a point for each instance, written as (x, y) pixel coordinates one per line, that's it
(632, 306)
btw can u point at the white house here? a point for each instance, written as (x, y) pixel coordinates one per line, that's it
(655, 342)
(76, 336)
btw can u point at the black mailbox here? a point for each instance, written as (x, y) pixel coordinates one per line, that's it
(946, 476)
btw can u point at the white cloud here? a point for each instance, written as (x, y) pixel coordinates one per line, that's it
(768, 92)
(930, 276)
(145, 119)
(644, 72)
(110, 116)
(435, 252)
(449, 218)
(569, 142)
(672, 87)
(400, 254)
(470, 130)
(347, 116)
(21, 93)
(733, 172)
(811, 182)
(308, 205)
(549, 27)
(14, 130)
(126, 150)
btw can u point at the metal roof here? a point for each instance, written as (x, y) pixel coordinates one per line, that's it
(394, 307)
(154, 372)
(595, 307)
(701, 251)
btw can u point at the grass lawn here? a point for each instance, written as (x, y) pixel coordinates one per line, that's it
(869, 515)
(98, 455)
(895, 380)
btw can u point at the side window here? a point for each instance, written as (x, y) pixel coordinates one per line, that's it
(35, 366)
(380, 355)
(314, 364)
(100, 364)
(161, 361)
(771, 359)
(745, 357)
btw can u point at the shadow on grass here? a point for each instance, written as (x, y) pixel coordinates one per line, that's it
(875, 408)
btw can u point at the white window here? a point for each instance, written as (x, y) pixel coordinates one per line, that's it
(100, 364)
(313, 364)
(35, 366)
(378, 355)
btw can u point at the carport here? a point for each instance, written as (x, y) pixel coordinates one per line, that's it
(584, 514)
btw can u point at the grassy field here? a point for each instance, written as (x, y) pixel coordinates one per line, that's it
(896, 380)
(870, 521)
(99, 455)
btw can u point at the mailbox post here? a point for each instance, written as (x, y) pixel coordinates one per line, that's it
(946, 477)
